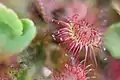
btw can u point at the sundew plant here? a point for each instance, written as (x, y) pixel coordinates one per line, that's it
(59, 39)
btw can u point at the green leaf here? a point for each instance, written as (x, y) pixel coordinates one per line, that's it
(17, 44)
(9, 17)
(112, 40)
(15, 34)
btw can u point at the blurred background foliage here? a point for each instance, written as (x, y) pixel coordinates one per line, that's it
(44, 54)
